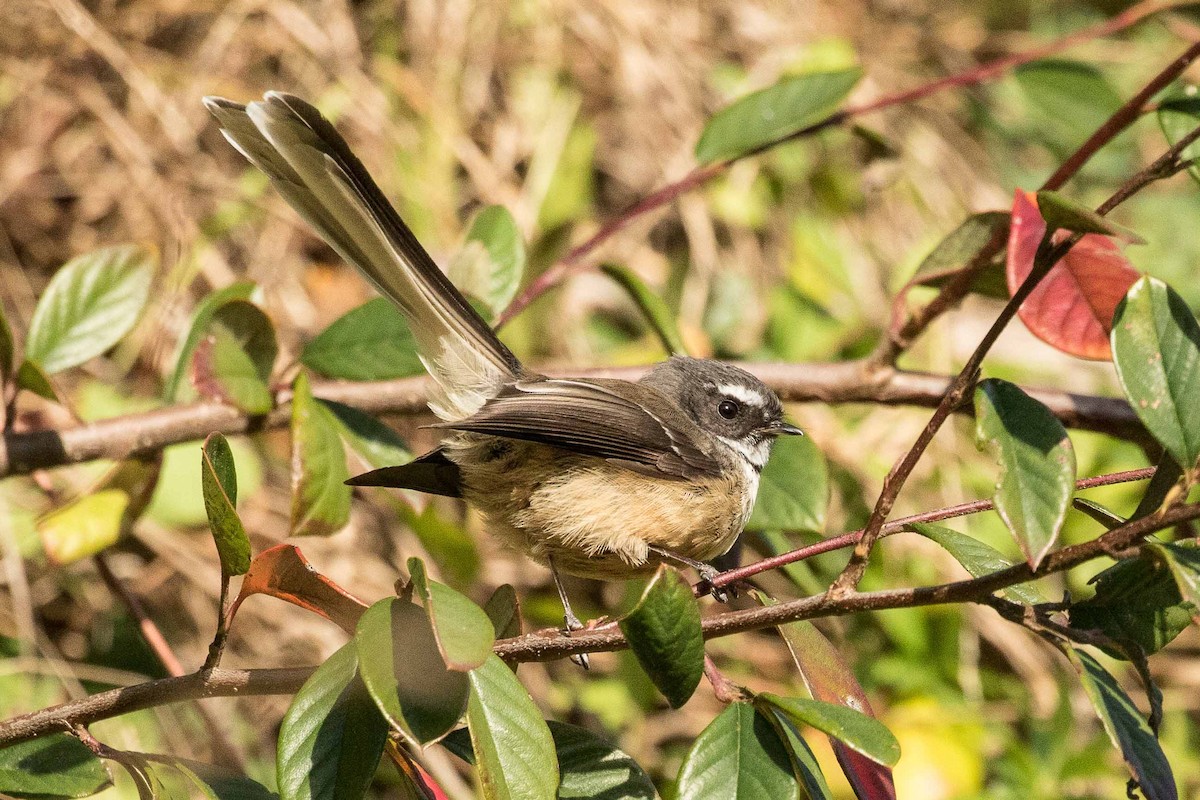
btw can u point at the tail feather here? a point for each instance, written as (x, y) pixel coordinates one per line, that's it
(313, 168)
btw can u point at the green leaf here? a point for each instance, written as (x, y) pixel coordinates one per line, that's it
(320, 497)
(463, 630)
(88, 306)
(1163, 485)
(1178, 116)
(55, 765)
(976, 557)
(1156, 350)
(763, 117)
(371, 343)
(504, 610)
(862, 733)
(1061, 211)
(332, 736)
(804, 762)
(1126, 728)
(404, 672)
(793, 492)
(100, 517)
(592, 768)
(31, 378)
(219, 481)
(514, 751)
(1184, 563)
(234, 362)
(1136, 601)
(379, 445)
(960, 247)
(199, 325)
(168, 778)
(1069, 99)
(450, 546)
(739, 756)
(491, 263)
(1036, 460)
(660, 318)
(664, 633)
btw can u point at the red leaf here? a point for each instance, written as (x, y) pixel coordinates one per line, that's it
(1072, 308)
(284, 572)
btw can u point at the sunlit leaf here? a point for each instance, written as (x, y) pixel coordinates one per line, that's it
(320, 497)
(664, 633)
(655, 311)
(1036, 461)
(739, 756)
(760, 118)
(1183, 560)
(959, 248)
(233, 362)
(793, 492)
(170, 778)
(1126, 728)
(463, 630)
(1156, 349)
(284, 572)
(219, 483)
(379, 445)
(332, 736)
(55, 765)
(1061, 211)
(514, 751)
(196, 330)
(404, 672)
(977, 558)
(372, 342)
(1072, 307)
(100, 517)
(88, 306)
(491, 263)
(1178, 116)
(862, 733)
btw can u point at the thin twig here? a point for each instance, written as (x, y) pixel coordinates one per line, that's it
(536, 647)
(573, 262)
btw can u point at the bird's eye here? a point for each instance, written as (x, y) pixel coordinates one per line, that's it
(728, 409)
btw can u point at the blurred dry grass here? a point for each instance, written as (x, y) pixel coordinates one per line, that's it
(455, 104)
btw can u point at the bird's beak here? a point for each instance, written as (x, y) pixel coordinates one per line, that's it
(782, 428)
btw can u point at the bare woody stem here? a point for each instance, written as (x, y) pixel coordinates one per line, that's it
(846, 382)
(537, 647)
(1164, 166)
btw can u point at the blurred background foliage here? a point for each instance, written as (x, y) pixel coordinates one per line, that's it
(565, 113)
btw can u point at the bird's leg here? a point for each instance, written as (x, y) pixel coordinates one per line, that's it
(706, 571)
(572, 621)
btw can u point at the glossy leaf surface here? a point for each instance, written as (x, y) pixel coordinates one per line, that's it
(55, 765)
(760, 118)
(861, 732)
(739, 756)
(219, 484)
(977, 558)
(88, 306)
(664, 633)
(1036, 462)
(463, 630)
(370, 343)
(320, 497)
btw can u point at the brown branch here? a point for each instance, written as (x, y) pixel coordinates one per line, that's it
(895, 526)
(537, 647)
(847, 382)
(573, 262)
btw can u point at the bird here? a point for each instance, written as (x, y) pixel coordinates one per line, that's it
(597, 478)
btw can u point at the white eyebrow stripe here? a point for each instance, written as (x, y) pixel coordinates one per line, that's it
(744, 393)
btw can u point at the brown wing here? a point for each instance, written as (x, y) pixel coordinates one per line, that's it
(587, 417)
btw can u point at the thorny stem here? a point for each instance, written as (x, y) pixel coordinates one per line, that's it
(536, 647)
